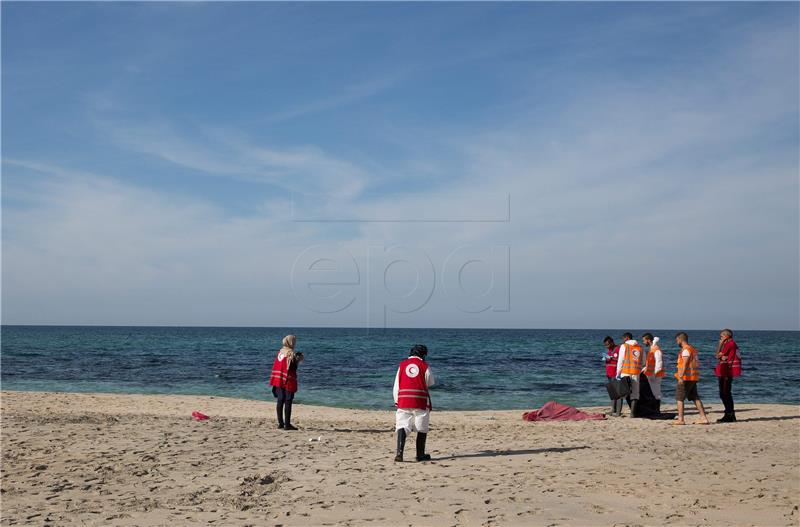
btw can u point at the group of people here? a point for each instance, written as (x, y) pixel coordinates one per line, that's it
(629, 363)
(411, 395)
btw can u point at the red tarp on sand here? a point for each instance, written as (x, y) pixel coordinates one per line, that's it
(553, 411)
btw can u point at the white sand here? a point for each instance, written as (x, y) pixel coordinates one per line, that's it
(96, 459)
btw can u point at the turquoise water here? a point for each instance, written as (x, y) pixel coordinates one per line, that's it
(475, 368)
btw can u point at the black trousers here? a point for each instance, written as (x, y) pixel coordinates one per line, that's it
(284, 405)
(725, 387)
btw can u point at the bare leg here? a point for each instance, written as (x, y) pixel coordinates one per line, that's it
(699, 404)
(679, 420)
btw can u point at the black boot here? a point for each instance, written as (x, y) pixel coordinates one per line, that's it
(634, 405)
(617, 408)
(401, 445)
(280, 414)
(287, 412)
(421, 455)
(727, 418)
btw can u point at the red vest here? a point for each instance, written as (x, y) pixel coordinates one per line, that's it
(611, 362)
(730, 365)
(413, 390)
(282, 376)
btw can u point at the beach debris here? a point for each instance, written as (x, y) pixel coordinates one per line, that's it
(199, 416)
(315, 439)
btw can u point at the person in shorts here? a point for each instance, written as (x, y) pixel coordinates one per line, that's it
(413, 401)
(688, 375)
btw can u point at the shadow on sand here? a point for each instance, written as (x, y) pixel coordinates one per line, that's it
(353, 430)
(777, 418)
(496, 453)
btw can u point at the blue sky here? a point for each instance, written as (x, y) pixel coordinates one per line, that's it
(156, 157)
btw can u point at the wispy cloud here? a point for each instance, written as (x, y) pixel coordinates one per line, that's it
(348, 95)
(221, 153)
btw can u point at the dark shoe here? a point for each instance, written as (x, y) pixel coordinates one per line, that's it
(634, 408)
(733, 417)
(280, 425)
(725, 419)
(398, 459)
(289, 427)
(421, 455)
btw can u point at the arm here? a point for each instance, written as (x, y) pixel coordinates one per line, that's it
(682, 365)
(620, 359)
(396, 388)
(659, 360)
(429, 379)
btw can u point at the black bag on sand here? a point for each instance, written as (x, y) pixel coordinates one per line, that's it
(648, 406)
(618, 388)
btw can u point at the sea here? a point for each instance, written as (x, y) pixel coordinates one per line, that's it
(475, 369)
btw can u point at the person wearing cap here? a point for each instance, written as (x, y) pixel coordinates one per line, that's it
(413, 401)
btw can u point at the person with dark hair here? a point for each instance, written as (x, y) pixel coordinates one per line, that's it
(610, 359)
(629, 366)
(654, 367)
(688, 375)
(729, 365)
(284, 380)
(413, 401)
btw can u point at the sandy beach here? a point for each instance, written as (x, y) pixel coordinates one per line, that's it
(98, 459)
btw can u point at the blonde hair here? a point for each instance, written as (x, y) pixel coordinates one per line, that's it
(288, 347)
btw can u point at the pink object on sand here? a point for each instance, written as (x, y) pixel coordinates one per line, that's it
(553, 411)
(199, 416)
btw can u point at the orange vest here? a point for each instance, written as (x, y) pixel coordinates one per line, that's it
(691, 371)
(650, 364)
(632, 361)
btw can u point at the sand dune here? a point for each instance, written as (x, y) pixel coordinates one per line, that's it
(97, 459)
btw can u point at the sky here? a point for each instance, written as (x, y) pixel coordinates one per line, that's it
(518, 165)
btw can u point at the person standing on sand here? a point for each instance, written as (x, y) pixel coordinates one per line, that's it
(413, 401)
(284, 380)
(654, 366)
(610, 360)
(629, 366)
(688, 376)
(729, 365)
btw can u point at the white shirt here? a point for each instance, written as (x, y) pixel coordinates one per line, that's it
(621, 359)
(659, 356)
(429, 380)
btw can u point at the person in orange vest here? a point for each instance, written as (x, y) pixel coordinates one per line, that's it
(654, 366)
(284, 380)
(413, 401)
(729, 365)
(688, 375)
(629, 366)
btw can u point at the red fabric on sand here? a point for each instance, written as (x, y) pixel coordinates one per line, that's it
(553, 411)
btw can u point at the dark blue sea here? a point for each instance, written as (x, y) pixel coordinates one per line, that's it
(475, 368)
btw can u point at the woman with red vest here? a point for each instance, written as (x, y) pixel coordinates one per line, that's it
(284, 380)
(610, 359)
(729, 365)
(413, 401)
(688, 375)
